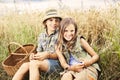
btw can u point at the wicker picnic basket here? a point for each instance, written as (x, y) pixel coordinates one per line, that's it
(12, 63)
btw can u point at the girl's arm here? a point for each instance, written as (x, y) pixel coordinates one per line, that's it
(62, 59)
(90, 50)
(76, 68)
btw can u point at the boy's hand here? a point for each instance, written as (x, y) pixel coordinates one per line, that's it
(41, 56)
(31, 56)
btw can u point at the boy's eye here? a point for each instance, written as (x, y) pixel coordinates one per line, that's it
(57, 20)
(50, 19)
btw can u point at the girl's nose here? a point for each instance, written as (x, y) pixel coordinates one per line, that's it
(69, 33)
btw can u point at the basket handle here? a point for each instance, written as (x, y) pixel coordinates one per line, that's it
(33, 48)
(18, 45)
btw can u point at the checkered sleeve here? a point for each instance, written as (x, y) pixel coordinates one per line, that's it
(40, 41)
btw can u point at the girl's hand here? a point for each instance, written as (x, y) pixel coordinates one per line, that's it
(76, 67)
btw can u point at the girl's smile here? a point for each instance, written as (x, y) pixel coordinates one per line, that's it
(69, 32)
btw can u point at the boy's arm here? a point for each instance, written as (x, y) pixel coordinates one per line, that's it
(44, 55)
(52, 55)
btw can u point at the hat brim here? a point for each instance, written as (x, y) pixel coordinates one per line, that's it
(50, 16)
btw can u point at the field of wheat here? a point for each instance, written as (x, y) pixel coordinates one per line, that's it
(101, 28)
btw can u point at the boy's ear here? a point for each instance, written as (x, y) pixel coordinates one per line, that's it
(45, 26)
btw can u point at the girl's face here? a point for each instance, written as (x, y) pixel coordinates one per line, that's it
(52, 24)
(69, 32)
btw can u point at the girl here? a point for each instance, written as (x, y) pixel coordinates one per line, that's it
(75, 54)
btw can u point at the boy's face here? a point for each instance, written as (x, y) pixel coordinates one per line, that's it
(69, 32)
(52, 24)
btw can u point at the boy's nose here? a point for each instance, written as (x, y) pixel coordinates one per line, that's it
(54, 22)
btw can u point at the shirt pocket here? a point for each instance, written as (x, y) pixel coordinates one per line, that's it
(52, 47)
(44, 45)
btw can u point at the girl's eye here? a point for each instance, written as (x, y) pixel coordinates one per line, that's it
(72, 30)
(66, 30)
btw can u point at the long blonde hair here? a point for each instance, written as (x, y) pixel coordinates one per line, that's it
(64, 23)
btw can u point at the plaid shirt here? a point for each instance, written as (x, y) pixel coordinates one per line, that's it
(47, 42)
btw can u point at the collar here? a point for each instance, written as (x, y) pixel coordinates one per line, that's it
(46, 34)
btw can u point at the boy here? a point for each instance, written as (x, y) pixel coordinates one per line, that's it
(45, 59)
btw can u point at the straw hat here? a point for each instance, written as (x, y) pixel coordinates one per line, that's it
(51, 13)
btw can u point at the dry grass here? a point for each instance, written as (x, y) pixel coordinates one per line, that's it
(101, 28)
